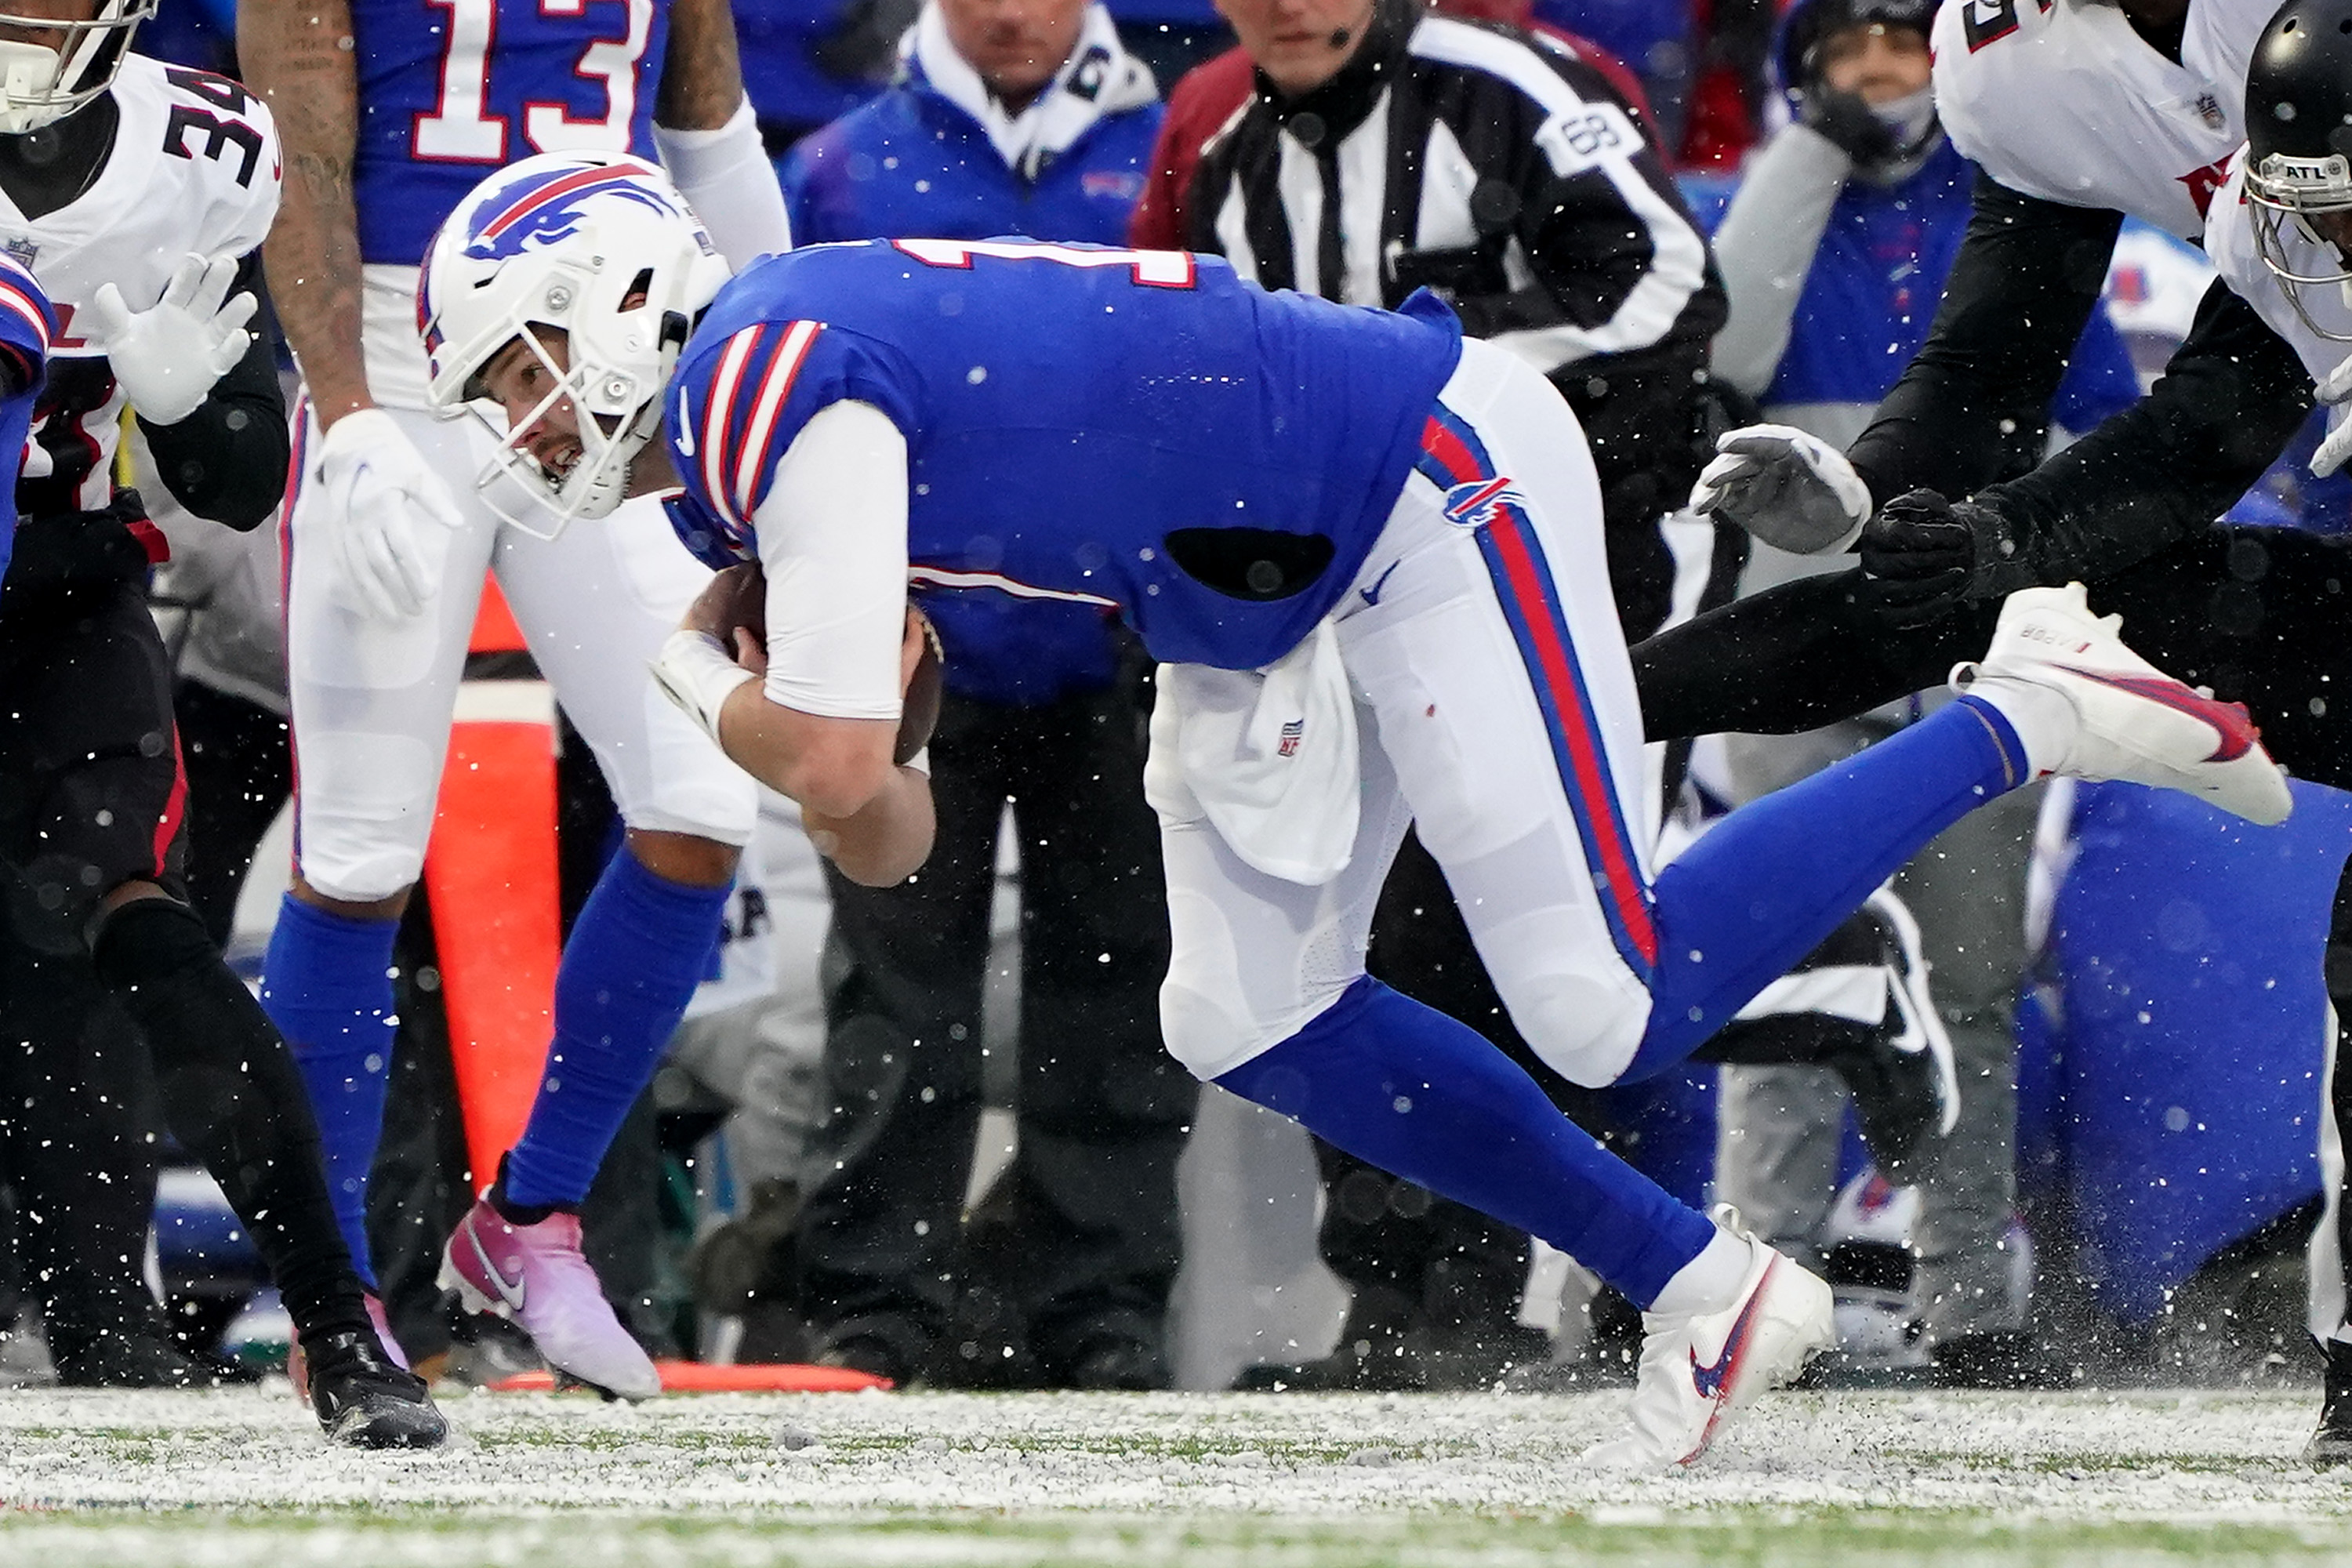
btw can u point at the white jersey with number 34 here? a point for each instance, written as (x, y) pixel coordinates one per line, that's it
(195, 167)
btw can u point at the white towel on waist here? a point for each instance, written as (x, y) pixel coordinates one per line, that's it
(1268, 755)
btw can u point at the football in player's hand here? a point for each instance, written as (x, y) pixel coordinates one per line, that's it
(918, 712)
(735, 599)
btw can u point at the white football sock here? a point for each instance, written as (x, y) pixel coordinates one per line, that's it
(1709, 1282)
(2044, 720)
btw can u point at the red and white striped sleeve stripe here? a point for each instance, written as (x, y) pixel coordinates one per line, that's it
(22, 299)
(736, 441)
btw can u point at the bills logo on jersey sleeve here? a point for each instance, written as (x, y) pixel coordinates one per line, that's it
(542, 209)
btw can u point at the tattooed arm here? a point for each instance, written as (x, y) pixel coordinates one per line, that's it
(299, 56)
(708, 139)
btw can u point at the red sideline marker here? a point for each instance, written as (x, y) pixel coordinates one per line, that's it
(703, 1378)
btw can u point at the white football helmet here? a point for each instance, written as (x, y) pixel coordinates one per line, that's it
(39, 85)
(602, 247)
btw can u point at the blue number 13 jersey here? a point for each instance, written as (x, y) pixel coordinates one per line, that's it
(449, 89)
(1137, 429)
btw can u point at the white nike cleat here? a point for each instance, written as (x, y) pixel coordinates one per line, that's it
(536, 1276)
(1696, 1370)
(2133, 722)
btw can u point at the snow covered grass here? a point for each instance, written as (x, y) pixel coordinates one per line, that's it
(1004, 1481)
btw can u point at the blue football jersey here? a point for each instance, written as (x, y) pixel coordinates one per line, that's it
(25, 324)
(449, 89)
(1142, 430)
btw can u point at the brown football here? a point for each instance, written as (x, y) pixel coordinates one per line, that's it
(919, 714)
(737, 596)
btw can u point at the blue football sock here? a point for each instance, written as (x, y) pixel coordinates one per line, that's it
(639, 948)
(1430, 1100)
(1763, 887)
(327, 984)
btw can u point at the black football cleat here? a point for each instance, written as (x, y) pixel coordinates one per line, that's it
(139, 1357)
(364, 1399)
(2331, 1446)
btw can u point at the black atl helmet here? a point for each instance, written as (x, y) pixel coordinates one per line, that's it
(2299, 143)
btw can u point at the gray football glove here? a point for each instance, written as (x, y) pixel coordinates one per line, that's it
(1794, 491)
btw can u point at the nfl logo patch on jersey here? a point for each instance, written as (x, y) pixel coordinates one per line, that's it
(1292, 733)
(21, 251)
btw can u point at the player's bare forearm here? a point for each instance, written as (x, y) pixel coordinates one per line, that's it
(887, 840)
(702, 77)
(833, 766)
(299, 56)
(867, 815)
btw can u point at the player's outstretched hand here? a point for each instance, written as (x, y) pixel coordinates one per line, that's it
(2335, 389)
(392, 516)
(168, 357)
(1792, 491)
(1919, 557)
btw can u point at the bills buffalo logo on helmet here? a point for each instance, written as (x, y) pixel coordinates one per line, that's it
(543, 209)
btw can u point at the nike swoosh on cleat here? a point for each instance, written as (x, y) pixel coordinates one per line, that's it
(510, 1291)
(1709, 1379)
(2228, 720)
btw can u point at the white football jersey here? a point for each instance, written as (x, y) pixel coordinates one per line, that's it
(2230, 246)
(2062, 100)
(195, 167)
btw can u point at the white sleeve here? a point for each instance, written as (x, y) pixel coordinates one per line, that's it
(833, 543)
(1765, 250)
(727, 177)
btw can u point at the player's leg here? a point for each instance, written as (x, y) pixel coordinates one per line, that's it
(906, 968)
(1103, 1112)
(596, 603)
(370, 707)
(103, 870)
(2330, 1254)
(1503, 691)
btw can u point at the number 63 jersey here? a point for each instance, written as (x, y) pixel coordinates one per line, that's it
(195, 167)
(449, 89)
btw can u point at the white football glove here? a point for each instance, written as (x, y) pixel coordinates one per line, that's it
(167, 357)
(2335, 389)
(1794, 491)
(391, 516)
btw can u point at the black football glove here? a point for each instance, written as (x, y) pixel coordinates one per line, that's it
(1846, 121)
(1922, 555)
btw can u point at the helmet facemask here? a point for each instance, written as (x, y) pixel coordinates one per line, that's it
(616, 409)
(2284, 193)
(601, 248)
(40, 86)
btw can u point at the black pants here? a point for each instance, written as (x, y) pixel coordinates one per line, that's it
(1102, 1107)
(240, 766)
(91, 791)
(75, 1098)
(2258, 615)
(93, 797)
